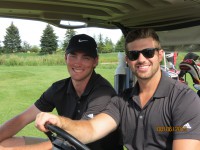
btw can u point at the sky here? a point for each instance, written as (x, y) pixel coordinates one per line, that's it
(31, 31)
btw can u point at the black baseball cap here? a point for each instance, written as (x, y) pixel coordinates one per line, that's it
(82, 43)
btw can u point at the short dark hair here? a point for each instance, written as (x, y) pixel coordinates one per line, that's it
(140, 34)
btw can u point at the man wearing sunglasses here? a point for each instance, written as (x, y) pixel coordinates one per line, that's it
(158, 113)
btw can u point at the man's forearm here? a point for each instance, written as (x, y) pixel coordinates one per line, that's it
(186, 144)
(9, 129)
(44, 146)
(84, 130)
(80, 129)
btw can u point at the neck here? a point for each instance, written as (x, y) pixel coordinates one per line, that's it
(148, 88)
(152, 83)
(80, 86)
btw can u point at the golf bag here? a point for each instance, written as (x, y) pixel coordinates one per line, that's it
(189, 65)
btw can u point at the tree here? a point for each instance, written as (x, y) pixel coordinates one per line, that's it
(108, 46)
(1, 49)
(12, 41)
(34, 49)
(25, 46)
(48, 41)
(68, 35)
(119, 47)
(100, 43)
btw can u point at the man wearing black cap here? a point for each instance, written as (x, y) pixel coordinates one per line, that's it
(81, 96)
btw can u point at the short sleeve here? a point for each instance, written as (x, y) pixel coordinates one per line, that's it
(186, 115)
(45, 102)
(113, 109)
(98, 100)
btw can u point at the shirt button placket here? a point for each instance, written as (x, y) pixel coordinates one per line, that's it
(140, 131)
(78, 106)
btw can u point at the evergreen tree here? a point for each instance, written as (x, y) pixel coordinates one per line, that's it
(48, 41)
(100, 43)
(95, 38)
(12, 41)
(108, 46)
(119, 47)
(1, 49)
(68, 35)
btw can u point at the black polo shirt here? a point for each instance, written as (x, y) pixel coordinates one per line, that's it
(172, 113)
(63, 97)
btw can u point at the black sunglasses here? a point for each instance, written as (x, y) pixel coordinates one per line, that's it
(148, 53)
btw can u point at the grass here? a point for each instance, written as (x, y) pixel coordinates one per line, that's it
(21, 86)
(33, 59)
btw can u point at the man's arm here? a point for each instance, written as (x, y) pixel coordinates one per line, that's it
(86, 131)
(44, 145)
(186, 144)
(14, 125)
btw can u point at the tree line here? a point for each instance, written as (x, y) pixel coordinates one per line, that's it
(12, 42)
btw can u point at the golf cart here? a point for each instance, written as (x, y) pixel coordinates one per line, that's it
(176, 21)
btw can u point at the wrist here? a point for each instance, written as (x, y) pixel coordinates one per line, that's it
(64, 122)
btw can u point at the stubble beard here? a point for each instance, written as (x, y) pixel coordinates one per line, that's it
(148, 75)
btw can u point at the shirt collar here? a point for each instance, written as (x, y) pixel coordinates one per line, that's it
(161, 91)
(90, 84)
(164, 86)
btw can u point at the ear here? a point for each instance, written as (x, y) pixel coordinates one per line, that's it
(96, 61)
(66, 58)
(126, 58)
(160, 55)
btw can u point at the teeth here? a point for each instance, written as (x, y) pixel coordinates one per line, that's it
(78, 70)
(143, 67)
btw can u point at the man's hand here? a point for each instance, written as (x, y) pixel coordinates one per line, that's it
(46, 118)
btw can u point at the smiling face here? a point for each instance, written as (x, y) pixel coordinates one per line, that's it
(80, 66)
(144, 68)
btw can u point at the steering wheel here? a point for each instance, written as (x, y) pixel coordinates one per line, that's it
(62, 140)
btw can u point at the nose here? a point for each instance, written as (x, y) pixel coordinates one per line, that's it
(76, 64)
(78, 61)
(141, 57)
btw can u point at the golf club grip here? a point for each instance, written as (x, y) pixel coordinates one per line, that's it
(66, 136)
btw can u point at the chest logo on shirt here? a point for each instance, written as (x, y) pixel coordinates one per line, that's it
(90, 116)
(187, 126)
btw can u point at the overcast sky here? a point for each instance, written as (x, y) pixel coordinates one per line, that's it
(31, 31)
